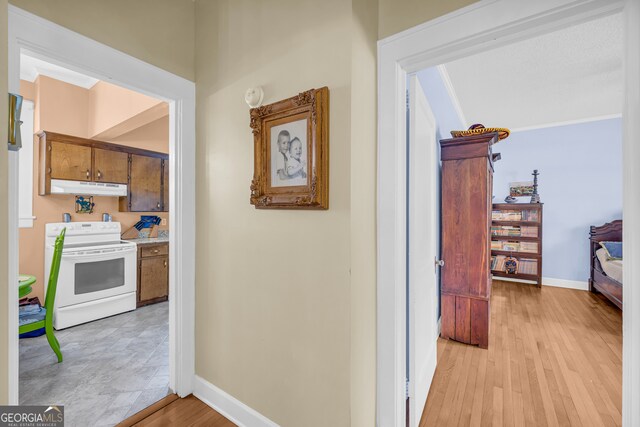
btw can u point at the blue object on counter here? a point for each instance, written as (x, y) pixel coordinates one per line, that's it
(146, 221)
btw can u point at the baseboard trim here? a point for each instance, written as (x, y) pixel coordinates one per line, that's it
(227, 405)
(553, 282)
(564, 283)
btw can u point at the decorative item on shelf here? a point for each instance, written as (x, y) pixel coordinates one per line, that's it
(511, 265)
(14, 122)
(479, 129)
(291, 152)
(535, 197)
(521, 189)
(510, 199)
(84, 204)
(146, 222)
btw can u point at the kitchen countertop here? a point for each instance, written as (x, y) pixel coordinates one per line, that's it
(149, 240)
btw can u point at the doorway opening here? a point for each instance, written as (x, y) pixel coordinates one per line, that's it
(434, 43)
(564, 111)
(96, 153)
(170, 111)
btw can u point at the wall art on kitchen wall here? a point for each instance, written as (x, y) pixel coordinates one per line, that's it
(291, 152)
(84, 204)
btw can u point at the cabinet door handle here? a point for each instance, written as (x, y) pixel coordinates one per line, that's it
(99, 174)
(88, 173)
(158, 205)
(165, 264)
(155, 251)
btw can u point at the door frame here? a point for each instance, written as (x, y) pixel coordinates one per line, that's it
(481, 26)
(61, 46)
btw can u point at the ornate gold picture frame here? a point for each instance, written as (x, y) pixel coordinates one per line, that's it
(291, 152)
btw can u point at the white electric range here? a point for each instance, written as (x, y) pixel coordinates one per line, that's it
(97, 275)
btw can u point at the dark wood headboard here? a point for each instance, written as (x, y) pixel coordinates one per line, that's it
(599, 281)
(609, 232)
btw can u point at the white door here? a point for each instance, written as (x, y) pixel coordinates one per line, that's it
(422, 235)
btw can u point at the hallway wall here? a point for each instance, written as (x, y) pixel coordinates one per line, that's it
(160, 32)
(280, 278)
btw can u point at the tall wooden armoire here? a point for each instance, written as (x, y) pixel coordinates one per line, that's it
(467, 186)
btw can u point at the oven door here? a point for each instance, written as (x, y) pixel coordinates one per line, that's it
(94, 274)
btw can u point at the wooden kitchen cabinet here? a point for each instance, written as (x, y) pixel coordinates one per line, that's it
(145, 188)
(145, 172)
(110, 166)
(69, 161)
(165, 185)
(153, 273)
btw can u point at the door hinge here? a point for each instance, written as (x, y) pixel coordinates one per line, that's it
(406, 388)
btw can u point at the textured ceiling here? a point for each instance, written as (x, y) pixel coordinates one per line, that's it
(31, 68)
(570, 75)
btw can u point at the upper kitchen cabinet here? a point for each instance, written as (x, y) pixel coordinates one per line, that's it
(102, 165)
(145, 189)
(110, 166)
(165, 185)
(69, 161)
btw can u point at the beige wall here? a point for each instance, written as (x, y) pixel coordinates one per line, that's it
(363, 209)
(272, 287)
(399, 15)
(4, 291)
(159, 32)
(115, 110)
(63, 108)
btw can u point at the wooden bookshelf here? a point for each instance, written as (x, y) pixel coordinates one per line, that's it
(509, 221)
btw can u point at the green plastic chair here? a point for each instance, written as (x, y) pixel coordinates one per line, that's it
(47, 323)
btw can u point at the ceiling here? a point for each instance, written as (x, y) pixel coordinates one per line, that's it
(31, 68)
(571, 75)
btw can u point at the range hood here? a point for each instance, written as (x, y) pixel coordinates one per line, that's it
(61, 186)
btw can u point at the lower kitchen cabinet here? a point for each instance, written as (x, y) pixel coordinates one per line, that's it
(153, 273)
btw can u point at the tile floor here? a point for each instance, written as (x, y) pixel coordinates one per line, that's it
(112, 368)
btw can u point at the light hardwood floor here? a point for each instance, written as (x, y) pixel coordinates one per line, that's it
(554, 359)
(173, 411)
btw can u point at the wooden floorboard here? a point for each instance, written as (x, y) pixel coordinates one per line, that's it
(186, 412)
(554, 359)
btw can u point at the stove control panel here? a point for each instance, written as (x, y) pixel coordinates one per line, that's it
(83, 228)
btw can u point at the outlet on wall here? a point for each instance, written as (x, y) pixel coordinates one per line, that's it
(164, 221)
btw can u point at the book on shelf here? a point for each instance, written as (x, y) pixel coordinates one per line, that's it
(530, 215)
(496, 245)
(529, 231)
(527, 266)
(511, 246)
(514, 230)
(505, 230)
(529, 247)
(506, 215)
(497, 262)
(515, 215)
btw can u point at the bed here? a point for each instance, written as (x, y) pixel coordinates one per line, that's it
(606, 274)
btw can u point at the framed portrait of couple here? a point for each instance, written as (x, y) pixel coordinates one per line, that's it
(291, 152)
